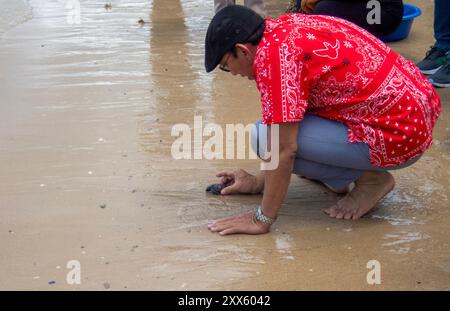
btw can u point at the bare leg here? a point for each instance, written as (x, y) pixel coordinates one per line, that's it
(220, 4)
(370, 188)
(256, 5)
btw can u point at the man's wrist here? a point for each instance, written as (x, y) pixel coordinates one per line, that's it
(262, 218)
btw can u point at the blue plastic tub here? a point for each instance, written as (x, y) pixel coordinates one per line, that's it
(402, 31)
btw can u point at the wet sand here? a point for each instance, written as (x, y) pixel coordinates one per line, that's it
(86, 170)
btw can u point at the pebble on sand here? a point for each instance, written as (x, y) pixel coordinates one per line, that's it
(106, 285)
(102, 205)
(134, 247)
(51, 282)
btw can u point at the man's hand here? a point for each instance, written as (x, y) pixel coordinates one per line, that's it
(243, 223)
(239, 181)
(308, 5)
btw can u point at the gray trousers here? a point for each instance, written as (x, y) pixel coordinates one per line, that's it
(255, 5)
(324, 152)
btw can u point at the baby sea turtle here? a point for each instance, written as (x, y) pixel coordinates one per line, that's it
(214, 188)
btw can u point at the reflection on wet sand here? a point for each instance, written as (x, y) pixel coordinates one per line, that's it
(87, 174)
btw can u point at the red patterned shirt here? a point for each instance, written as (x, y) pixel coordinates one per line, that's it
(331, 68)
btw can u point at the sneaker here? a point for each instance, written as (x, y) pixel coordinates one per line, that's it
(433, 61)
(442, 77)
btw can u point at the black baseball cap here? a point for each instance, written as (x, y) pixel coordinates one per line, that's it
(232, 24)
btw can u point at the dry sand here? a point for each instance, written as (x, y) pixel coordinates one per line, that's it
(86, 170)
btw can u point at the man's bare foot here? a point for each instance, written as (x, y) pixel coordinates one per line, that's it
(343, 190)
(370, 188)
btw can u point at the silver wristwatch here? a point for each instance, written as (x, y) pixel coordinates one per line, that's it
(259, 216)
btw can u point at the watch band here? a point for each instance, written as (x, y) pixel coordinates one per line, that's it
(259, 216)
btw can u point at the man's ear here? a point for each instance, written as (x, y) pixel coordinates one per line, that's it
(242, 48)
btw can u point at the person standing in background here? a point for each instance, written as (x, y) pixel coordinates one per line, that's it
(355, 11)
(255, 5)
(436, 62)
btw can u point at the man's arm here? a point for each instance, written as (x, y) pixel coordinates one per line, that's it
(276, 181)
(308, 5)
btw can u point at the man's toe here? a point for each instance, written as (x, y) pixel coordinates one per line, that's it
(332, 211)
(340, 214)
(348, 215)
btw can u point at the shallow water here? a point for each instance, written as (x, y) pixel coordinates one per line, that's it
(13, 13)
(87, 174)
